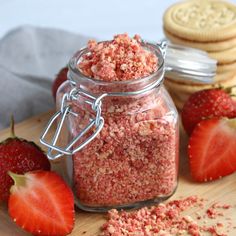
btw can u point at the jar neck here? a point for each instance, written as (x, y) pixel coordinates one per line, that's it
(99, 87)
(137, 87)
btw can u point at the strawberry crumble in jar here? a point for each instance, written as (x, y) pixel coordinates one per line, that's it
(123, 125)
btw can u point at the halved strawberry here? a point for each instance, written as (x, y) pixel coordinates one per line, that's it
(42, 203)
(212, 149)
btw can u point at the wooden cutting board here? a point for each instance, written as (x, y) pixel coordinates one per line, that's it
(88, 224)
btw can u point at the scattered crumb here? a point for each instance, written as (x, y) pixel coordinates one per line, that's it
(170, 219)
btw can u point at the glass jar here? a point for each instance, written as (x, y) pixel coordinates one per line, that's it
(123, 138)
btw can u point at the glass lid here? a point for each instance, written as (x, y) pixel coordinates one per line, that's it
(189, 64)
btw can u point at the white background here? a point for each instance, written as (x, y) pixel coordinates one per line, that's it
(97, 18)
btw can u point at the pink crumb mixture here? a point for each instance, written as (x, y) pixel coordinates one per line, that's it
(164, 220)
(135, 156)
(121, 59)
(133, 159)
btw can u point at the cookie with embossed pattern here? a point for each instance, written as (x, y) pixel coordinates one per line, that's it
(224, 57)
(222, 68)
(226, 80)
(201, 20)
(213, 46)
(181, 91)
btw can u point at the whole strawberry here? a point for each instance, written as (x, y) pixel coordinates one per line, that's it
(206, 104)
(60, 78)
(20, 156)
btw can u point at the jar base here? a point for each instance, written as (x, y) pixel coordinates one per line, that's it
(125, 206)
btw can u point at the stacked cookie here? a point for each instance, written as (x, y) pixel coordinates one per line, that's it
(209, 25)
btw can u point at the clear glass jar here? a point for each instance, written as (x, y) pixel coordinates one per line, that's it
(133, 160)
(121, 139)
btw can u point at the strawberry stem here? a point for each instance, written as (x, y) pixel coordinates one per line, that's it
(19, 180)
(12, 126)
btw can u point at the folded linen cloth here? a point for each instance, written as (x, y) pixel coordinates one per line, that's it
(30, 57)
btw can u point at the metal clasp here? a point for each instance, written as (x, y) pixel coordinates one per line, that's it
(54, 151)
(163, 47)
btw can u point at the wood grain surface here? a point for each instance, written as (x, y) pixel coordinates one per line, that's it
(88, 224)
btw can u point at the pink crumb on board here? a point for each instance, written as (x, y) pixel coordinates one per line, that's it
(214, 210)
(168, 219)
(122, 58)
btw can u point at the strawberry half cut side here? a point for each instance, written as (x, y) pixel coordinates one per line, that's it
(212, 149)
(41, 203)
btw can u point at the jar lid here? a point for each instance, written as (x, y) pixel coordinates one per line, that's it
(189, 64)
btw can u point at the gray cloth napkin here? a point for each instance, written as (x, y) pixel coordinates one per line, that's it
(30, 57)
